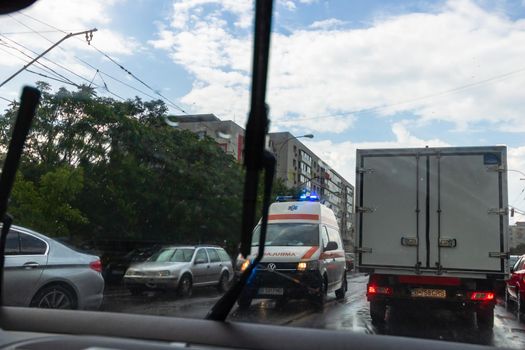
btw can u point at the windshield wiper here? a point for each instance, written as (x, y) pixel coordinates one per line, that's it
(26, 113)
(256, 158)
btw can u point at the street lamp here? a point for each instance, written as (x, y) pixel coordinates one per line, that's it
(307, 136)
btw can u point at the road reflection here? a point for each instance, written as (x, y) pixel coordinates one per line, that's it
(439, 325)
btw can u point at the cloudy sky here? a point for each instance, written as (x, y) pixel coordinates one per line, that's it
(357, 74)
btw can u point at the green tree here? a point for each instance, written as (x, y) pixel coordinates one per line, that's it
(96, 168)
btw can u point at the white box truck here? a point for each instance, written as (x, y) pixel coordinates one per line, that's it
(432, 228)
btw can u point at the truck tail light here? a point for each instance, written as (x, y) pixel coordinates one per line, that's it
(374, 290)
(481, 296)
(96, 265)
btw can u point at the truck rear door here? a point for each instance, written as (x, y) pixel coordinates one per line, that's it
(439, 210)
(467, 211)
(389, 213)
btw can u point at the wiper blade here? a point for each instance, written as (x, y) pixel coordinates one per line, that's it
(26, 112)
(255, 157)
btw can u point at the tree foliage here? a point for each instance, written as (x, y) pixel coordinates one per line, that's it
(96, 168)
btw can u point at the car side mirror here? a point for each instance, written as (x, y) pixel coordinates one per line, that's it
(331, 246)
(200, 261)
(511, 269)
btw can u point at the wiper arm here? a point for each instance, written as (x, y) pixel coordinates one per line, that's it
(255, 157)
(26, 113)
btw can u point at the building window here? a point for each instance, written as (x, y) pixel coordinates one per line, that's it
(305, 157)
(201, 134)
(305, 168)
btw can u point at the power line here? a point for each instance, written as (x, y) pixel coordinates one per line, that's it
(31, 32)
(47, 59)
(420, 98)
(38, 63)
(52, 78)
(6, 99)
(111, 59)
(65, 68)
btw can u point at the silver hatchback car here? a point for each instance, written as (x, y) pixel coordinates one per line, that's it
(41, 272)
(181, 268)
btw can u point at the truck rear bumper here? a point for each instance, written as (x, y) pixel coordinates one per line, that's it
(440, 292)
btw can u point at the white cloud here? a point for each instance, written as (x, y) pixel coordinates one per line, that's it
(341, 156)
(327, 24)
(290, 5)
(71, 16)
(325, 71)
(186, 12)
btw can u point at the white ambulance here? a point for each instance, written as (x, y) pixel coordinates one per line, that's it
(304, 255)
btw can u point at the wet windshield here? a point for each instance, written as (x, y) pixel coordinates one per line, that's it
(400, 122)
(172, 255)
(289, 235)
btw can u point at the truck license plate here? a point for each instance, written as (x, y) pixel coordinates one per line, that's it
(271, 291)
(428, 293)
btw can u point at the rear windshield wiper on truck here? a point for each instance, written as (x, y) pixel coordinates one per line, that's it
(26, 113)
(256, 158)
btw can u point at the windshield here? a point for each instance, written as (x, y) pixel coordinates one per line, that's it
(399, 122)
(172, 255)
(288, 235)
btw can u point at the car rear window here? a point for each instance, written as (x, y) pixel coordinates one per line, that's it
(30, 245)
(224, 256)
(214, 257)
(12, 244)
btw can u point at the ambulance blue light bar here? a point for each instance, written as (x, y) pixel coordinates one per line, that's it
(302, 197)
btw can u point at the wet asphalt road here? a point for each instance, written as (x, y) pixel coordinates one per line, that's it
(350, 314)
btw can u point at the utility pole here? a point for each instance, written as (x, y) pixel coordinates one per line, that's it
(89, 37)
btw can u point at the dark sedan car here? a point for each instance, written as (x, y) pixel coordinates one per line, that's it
(117, 265)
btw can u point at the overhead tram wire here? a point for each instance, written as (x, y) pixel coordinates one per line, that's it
(91, 66)
(52, 78)
(52, 71)
(109, 58)
(65, 68)
(49, 60)
(6, 99)
(41, 74)
(31, 32)
(416, 99)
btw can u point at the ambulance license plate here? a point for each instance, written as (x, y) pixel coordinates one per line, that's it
(428, 293)
(271, 291)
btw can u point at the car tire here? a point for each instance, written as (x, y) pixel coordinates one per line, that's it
(485, 318)
(224, 282)
(185, 286)
(320, 298)
(377, 312)
(340, 293)
(54, 297)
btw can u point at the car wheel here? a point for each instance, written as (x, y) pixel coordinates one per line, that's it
(485, 318)
(377, 312)
(185, 286)
(320, 298)
(224, 282)
(340, 293)
(54, 297)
